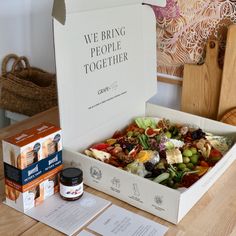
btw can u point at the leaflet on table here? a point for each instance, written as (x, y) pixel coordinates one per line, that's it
(118, 221)
(85, 233)
(68, 217)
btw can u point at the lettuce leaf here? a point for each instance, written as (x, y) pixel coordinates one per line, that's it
(144, 123)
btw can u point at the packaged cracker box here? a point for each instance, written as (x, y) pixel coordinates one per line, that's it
(22, 150)
(50, 138)
(31, 158)
(25, 197)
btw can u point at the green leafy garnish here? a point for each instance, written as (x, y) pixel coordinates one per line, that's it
(178, 175)
(144, 141)
(144, 123)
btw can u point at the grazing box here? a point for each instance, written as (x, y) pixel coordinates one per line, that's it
(106, 70)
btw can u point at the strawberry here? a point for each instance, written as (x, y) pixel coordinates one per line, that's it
(215, 153)
(214, 157)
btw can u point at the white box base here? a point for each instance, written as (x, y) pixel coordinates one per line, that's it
(169, 204)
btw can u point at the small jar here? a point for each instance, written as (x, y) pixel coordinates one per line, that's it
(71, 184)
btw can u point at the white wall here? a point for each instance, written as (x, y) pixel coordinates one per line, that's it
(168, 95)
(26, 29)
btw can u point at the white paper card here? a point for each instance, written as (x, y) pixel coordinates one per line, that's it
(68, 217)
(85, 233)
(118, 221)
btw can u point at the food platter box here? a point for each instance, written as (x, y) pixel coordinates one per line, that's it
(106, 68)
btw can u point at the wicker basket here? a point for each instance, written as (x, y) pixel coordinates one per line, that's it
(25, 89)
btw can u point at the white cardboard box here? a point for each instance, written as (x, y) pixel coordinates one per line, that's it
(95, 101)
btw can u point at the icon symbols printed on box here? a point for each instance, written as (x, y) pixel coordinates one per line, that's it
(158, 199)
(136, 190)
(115, 182)
(95, 172)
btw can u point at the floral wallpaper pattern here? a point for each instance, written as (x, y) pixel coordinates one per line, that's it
(183, 28)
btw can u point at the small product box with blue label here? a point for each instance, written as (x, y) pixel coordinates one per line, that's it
(32, 160)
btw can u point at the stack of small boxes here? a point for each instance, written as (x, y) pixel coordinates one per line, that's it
(32, 161)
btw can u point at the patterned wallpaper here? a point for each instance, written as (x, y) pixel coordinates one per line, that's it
(183, 28)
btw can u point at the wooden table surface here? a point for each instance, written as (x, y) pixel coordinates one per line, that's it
(213, 215)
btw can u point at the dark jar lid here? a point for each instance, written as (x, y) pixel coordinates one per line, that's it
(71, 176)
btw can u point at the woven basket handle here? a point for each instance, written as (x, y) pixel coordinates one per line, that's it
(6, 60)
(21, 62)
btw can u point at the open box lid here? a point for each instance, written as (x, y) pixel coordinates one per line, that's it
(105, 59)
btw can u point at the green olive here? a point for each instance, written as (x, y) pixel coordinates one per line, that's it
(186, 160)
(193, 150)
(168, 134)
(190, 166)
(181, 166)
(194, 159)
(170, 183)
(187, 153)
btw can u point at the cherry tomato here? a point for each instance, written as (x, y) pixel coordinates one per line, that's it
(204, 164)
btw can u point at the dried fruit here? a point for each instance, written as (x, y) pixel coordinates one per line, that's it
(149, 166)
(125, 158)
(198, 134)
(144, 156)
(111, 141)
(117, 134)
(202, 170)
(189, 179)
(163, 124)
(152, 132)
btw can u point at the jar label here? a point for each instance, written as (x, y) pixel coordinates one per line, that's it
(71, 191)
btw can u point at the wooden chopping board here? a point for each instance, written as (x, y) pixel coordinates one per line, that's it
(228, 86)
(229, 117)
(201, 85)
